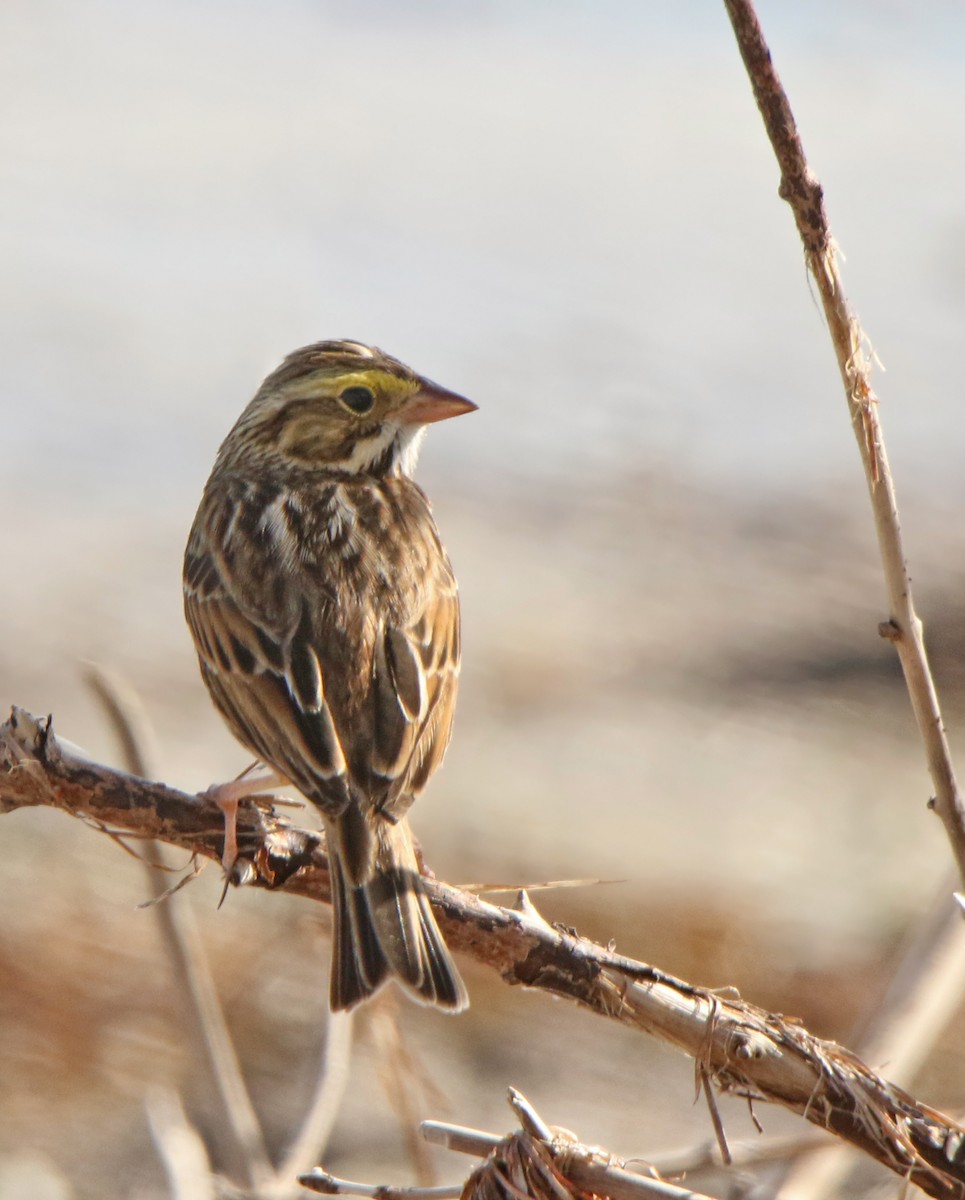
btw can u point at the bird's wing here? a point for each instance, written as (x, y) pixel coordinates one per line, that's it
(253, 632)
(415, 680)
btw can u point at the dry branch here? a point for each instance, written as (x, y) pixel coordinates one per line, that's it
(801, 189)
(534, 1163)
(744, 1049)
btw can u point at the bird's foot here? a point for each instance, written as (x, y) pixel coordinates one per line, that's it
(227, 796)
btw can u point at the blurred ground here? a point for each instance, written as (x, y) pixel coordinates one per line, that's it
(672, 676)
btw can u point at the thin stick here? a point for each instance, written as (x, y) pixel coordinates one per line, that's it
(715, 1117)
(180, 1148)
(596, 1173)
(688, 1160)
(590, 1170)
(309, 1145)
(236, 1129)
(459, 1138)
(803, 192)
(924, 994)
(915, 1010)
(127, 718)
(330, 1185)
(404, 1081)
(698, 1159)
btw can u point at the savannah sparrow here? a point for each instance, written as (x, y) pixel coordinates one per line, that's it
(326, 619)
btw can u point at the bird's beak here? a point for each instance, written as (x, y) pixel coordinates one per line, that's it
(433, 403)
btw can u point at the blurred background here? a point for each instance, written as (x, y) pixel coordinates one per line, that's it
(672, 674)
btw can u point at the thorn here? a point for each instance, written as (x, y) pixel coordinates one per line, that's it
(525, 907)
(529, 1118)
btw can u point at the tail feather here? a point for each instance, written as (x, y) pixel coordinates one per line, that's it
(359, 967)
(383, 921)
(441, 976)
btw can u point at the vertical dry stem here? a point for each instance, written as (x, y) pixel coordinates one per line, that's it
(803, 192)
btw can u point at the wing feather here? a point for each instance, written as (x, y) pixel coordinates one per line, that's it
(431, 642)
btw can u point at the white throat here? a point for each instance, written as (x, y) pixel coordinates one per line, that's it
(408, 443)
(401, 442)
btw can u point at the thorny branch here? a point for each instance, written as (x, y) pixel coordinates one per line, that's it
(742, 1048)
(803, 192)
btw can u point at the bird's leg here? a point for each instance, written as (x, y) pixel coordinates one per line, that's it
(228, 796)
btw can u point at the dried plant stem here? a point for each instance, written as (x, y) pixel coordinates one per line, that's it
(404, 1081)
(533, 1162)
(238, 1126)
(181, 1150)
(744, 1049)
(803, 192)
(701, 1158)
(923, 995)
(929, 982)
(312, 1138)
(237, 1130)
(331, 1185)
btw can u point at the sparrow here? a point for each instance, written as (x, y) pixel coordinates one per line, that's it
(325, 614)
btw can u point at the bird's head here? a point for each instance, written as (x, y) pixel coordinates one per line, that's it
(343, 406)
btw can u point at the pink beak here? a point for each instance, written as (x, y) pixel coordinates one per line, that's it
(433, 403)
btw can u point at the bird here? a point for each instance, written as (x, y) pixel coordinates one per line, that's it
(325, 615)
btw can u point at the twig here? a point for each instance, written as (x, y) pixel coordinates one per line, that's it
(923, 995)
(746, 1050)
(919, 1000)
(533, 1162)
(180, 1148)
(804, 194)
(575, 1169)
(127, 718)
(309, 1144)
(330, 1185)
(667, 1164)
(236, 1123)
(405, 1081)
(236, 1126)
(716, 1120)
(238, 1130)
(459, 1138)
(698, 1159)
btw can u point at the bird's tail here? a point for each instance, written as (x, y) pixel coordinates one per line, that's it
(383, 923)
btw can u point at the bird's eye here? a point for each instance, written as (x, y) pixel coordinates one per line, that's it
(359, 400)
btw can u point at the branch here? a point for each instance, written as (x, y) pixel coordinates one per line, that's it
(534, 1162)
(801, 189)
(744, 1049)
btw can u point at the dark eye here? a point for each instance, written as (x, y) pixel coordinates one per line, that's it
(359, 400)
